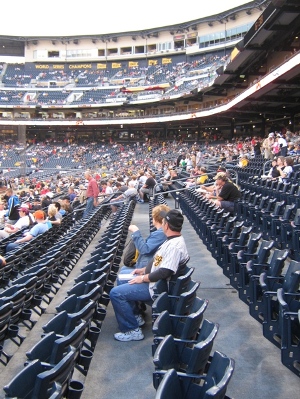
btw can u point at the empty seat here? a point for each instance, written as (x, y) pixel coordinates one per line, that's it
(188, 359)
(179, 326)
(212, 385)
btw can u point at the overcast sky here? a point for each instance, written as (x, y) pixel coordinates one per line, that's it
(65, 17)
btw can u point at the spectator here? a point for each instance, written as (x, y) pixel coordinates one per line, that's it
(129, 193)
(40, 227)
(67, 204)
(146, 248)
(92, 193)
(273, 172)
(287, 171)
(147, 187)
(45, 201)
(168, 261)
(71, 193)
(13, 204)
(228, 193)
(53, 215)
(282, 145)
(23, 221)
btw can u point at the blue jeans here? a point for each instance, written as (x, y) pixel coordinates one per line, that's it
(12, 246)
(123, 299)
(89, 207)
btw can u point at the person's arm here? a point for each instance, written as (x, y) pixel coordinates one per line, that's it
(145, 246)
(159, 274)
(26, 238)
(11, 228)
(2, 261)
(55, 222)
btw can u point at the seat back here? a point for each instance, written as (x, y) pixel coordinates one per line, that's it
(197, 358)
(185, 301)
(61, 374)
(244, 236)
(178, 305)
(5, 313)
(74, 339)
(22, 385)
(43, 348)
(263, 251)
(277, 262)
(292, 277)
(217, 378)
(176, 285)
(170, 387)
(185, 328)
(85, 314)
(57, 323)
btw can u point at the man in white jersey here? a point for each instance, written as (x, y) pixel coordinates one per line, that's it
(168, 260)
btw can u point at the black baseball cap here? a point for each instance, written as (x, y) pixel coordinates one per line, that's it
(173, 217)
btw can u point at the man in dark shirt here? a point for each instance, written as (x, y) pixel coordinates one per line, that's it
(228, 194)
(147, 187)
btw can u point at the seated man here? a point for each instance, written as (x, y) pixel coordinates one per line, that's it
(171, 256)
(129, 193)
(228, 193)
(147, 187)
(40, 227)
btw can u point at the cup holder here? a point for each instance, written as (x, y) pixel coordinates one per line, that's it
(13, 331)
(75, 389)
(100, 314)
(104, 299)
(26, 314)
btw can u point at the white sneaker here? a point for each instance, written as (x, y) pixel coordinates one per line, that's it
(133, 335)
(140, 320)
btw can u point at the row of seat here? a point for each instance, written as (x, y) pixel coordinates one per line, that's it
(256, 267)
(182, 345)
(36, 276)
(183, 340)
(70, 336)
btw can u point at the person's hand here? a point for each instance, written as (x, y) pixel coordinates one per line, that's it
(133, 228)
(139, 271)
(136, 280)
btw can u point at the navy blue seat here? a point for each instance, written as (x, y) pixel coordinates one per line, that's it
(273, 269)
(212, 385)
(183, 357)
(290, 284)
(178, 305)
(38, 380)
(180, 326)
(289, 329)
